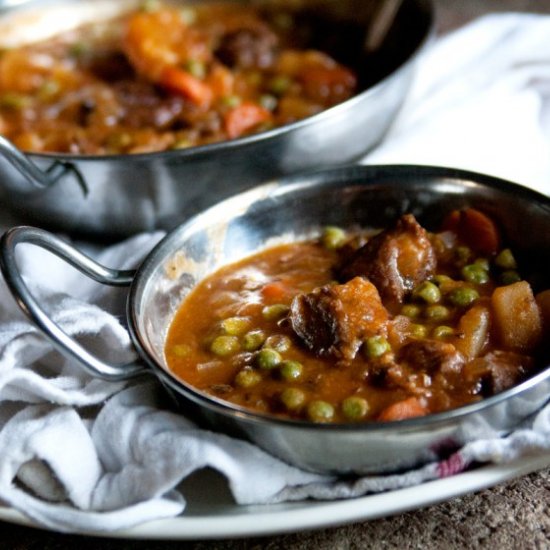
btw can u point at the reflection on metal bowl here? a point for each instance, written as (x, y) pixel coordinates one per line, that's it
(120, 194)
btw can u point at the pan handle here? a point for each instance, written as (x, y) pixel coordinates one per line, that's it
(62, 341)
(34, 177)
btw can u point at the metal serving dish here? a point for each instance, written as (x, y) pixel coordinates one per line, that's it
(371, 196)
(112, 196)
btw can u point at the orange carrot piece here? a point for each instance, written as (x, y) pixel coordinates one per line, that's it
(244, 117)
(184, 83)
(475, 228)
(274, 292)
(408, 408)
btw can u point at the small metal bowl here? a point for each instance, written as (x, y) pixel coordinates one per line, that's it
(372, 196)
(116, 195)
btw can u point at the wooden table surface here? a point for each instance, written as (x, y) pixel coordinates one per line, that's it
(511, 515)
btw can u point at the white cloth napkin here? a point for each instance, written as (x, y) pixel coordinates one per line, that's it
(79, 454)
(481, 101)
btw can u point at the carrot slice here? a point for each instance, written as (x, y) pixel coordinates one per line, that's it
(274, 291)
(244, 117)
(408, 408)
(184, 83)
(475, 228)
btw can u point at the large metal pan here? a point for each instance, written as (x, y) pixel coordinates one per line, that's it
(119, 195)
(370, 196)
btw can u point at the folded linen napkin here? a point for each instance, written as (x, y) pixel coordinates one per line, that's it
(79, 454)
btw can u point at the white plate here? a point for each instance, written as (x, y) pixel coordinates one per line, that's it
(212, 515)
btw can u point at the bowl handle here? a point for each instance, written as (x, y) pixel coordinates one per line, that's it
(34, 178)
(62, 341)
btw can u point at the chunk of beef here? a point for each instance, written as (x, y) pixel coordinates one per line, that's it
(497, 371)
(248, 48)
(395, 261)
(432, 356)
(384, 372)
(142, 105)
(335, 319)
(111, 67)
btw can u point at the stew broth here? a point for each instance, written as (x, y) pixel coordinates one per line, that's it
(360, 325)
(167, 76)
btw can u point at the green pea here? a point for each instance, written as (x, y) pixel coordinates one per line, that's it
(441, 279)
(188, 15)
(292, 398)
(436, 312)
(224, 345)
(463, 296)
(291, 370)
(182, 144)
(150, 5)
(253, 340)
(181, 350)
(278, 342)
(475, 274)
(376, 346)
(509, 277)
(505, 259)
(119, 141)
(235, 326)
(442, 332)
(196, 68)
(483, 263)
(355, 407)
(280, 84)
(463, 254)
(411, 310)
(231, 101)
(275, 311)
(333, 237)
(78, 49)
(49, 89)
(268, 359)
(247, 378)
(320, 411)
(428, 292)
(418, 331)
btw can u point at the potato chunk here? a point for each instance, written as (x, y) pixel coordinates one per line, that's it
(517, 319)
(473, 331)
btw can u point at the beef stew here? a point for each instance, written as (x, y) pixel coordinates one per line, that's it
(362, 325)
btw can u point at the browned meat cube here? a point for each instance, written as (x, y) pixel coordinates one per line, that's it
(335, 319)
(395, 261)
(246, 48)
(497, 371)
(432, 356)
